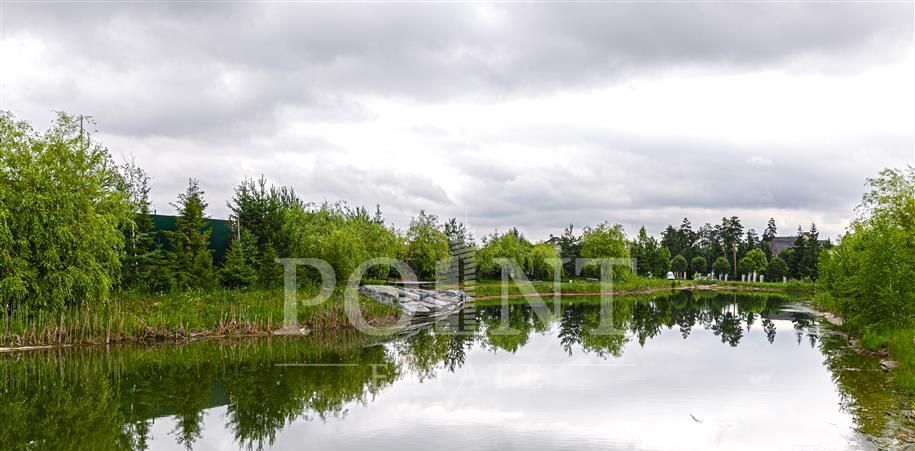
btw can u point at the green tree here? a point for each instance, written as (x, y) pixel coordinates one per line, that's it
(511, 245)
(606, 241)
(777, 269)
(189, 244)
(698, 265)
(237, 271)
(269, 272)
(871, 272)
(140, 247)
(426, 245)
(679, 264)
(730, 233)
(760, 263)
(790, 257)
(263, 211)
(645, 251)
(539, 266)
(339, 235)
(746, 266)
(768, 236)
(721, 266)
(663, 264)
(62, 215)
(569, 248)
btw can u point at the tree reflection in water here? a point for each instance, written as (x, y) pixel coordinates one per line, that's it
(98, 398)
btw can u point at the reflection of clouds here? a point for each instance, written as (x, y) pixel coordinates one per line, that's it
(758, 395)
(643, 401)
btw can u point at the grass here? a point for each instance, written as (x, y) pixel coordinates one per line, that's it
(220, 312)
(793, 286)
(132, 316)
(897, 342)
(489, 288)
(900, 344)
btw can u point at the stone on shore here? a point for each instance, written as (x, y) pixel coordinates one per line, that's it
(416, 301)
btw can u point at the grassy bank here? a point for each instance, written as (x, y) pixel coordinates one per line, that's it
(182, 315)
(134, 316)
(895, 344)
(634, 285)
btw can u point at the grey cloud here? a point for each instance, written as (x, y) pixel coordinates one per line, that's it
(204, 89)
(171, 64)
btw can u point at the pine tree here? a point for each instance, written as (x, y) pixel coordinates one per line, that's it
(767, 238)
(770, 232)
(812, 256)
(192, 257)
(570, 248)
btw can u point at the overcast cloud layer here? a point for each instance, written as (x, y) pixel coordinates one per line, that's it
(509, 115)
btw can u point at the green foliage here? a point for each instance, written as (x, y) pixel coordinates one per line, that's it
(678, 264)
(776, 270)
(343, 237)
(139, 233)
(758, 261)
(746, 266)
(511, 245)
(871, 273)
(269, 272)
(189, 244)
(238, 269)
(539, 267)
(61, 216)
(606, 241)
(698, 265)
(569, 248)
(262, 211)
(646, 251)
(806, 253)
(663, 263)
(426, 245)
(721, 266)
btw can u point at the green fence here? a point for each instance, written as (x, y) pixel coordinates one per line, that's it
(219, 238)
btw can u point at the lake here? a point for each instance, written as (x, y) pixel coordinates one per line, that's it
(687, 370)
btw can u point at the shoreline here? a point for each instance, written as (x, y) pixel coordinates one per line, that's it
(690, 287)
(329, 319)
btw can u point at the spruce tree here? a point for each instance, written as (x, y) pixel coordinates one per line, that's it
(193, 259)
(270, 273)
(236, 272)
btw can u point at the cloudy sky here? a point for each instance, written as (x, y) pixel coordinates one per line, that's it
(533, 115)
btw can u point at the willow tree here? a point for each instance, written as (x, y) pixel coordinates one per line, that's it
(511, 245)
(606, 241)
(426, 245)
(61, 216)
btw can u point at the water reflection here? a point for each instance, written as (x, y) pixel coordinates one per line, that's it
(463, 371)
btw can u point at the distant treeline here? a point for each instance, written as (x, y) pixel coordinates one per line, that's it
(75, 226)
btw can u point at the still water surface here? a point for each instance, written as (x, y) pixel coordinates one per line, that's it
(690, 371)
